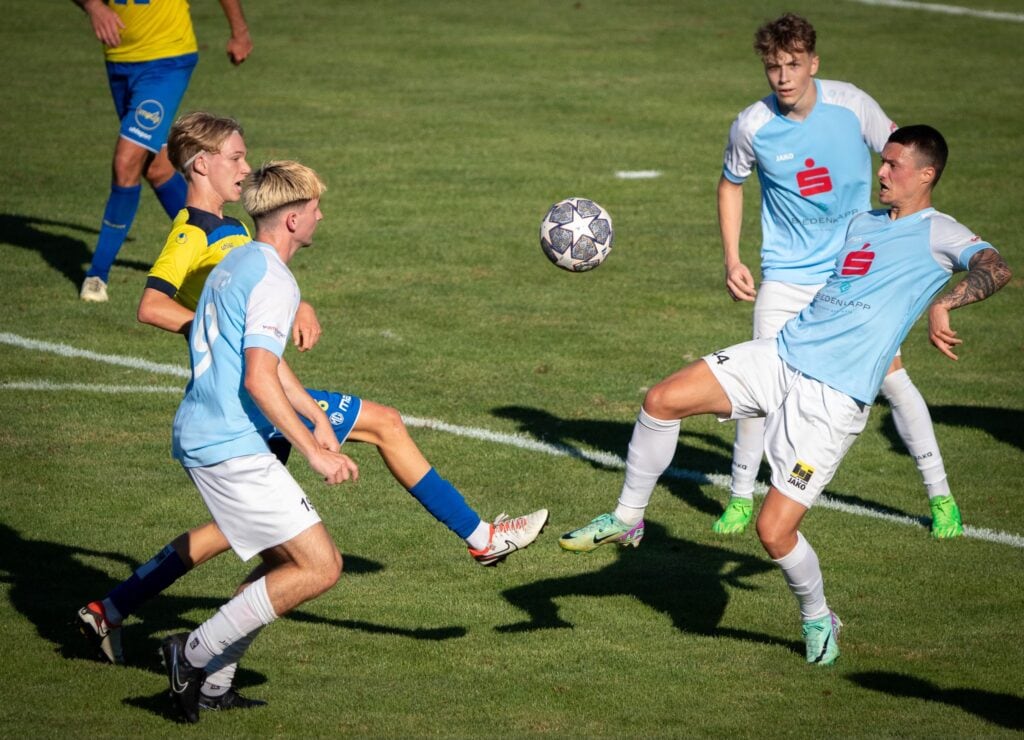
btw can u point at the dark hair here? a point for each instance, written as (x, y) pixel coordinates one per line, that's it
(929, 146)
(788, 33)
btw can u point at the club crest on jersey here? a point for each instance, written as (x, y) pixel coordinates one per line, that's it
(858, 262)
(801, 475)
(813, 180)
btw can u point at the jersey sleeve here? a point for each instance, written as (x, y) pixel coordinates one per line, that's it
(740, 158)
(270, 311)
(176, 259)
(953, 244)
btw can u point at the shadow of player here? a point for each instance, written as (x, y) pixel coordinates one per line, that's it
(569, 434)
(681, 579)
(49, 581)
(65, 254)
(1005, 710)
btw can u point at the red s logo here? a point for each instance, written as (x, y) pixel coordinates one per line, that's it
(858, 262)
(813, 180)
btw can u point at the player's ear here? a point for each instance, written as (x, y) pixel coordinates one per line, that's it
(815, 59)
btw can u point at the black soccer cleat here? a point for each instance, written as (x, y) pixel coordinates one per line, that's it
(184, 678)
(229, 700)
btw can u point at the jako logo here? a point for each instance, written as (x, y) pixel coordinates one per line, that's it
(858, 262)
(813, 180)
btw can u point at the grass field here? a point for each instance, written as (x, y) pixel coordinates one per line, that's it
(445, 130)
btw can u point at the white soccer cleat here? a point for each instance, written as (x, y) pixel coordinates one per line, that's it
(509, 534)
(94, 290)
(101, 634)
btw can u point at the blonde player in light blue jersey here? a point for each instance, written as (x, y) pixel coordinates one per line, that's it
(815, 382)
(810, 142)
(150, 49)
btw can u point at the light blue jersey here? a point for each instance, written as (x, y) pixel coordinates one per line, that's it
(815, 175)
(885, 276)
(249, 301)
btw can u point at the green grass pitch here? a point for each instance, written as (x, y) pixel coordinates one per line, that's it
(445, 130)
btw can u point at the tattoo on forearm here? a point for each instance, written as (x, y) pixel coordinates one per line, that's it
(988, 273)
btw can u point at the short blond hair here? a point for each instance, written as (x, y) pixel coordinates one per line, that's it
(195, 133)
(278, 184)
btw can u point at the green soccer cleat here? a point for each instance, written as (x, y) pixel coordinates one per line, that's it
(946, 521)
(821, 636)
(603, 530)
(736, 517)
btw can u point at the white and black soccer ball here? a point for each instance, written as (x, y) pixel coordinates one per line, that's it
(576, 234)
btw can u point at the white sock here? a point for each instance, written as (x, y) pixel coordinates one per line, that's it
(914, 425)
(220, 671)
(747, 451)
(481, 536)
(803, 576)
(244, 614)
(650, 451)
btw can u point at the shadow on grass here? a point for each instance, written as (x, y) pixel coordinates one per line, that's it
(49, 581)
(681, 579)
(1005, 710)
(1003, 425)
(603, 436)
(64, 254)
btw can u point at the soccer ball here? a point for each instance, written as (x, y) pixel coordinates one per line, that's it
(576, 234)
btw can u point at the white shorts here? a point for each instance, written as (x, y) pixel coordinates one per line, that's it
(255, 502)
(777, 303)
(808, 425)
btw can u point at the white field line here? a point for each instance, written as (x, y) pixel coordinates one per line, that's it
(637, 174)
(993, 15)
(520, 441)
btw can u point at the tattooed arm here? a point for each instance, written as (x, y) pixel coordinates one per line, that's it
(988, 273)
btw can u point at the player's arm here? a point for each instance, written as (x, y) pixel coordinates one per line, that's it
(240, 44)
(158, 309)
(263, 384)
(306, 329)
(738, 279)
(987, 273)
(106, 24)
(305, 405)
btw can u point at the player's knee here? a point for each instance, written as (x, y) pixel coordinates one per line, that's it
(330, 570)
(390, 426)
(775, 538)
(656, 402)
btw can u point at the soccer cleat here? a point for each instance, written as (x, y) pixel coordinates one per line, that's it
(104, 636)
(737, 515)
(603, 530)
(185, 679)
(94, 290)
(821, 636)
(228, 700)
(946, 521)
(509, 534)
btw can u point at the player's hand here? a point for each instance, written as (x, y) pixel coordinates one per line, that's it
(239, 47)
(306, 330)
(325, 437)
(106, 24)
(335, 467)
(939, 332)
(740, 283)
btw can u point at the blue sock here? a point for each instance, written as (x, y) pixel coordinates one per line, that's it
(172, 194)
(117, 219)
(147, 581)
(444, 501)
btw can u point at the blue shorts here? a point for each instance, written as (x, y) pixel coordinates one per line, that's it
(342, 410)
(147, 96)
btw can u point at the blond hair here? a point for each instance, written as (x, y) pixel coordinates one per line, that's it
(278, 184)
(195, 133)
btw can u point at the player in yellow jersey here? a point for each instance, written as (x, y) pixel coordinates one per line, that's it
(150, 50)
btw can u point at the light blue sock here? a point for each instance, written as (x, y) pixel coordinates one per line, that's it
(444, 501)
(117, 220)
(172, 194)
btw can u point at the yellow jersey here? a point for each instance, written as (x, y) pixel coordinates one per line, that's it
(153, 29)
(198, 241)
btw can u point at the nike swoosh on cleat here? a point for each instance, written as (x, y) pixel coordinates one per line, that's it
(176, 685)
(824, 649)
(599, 540)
